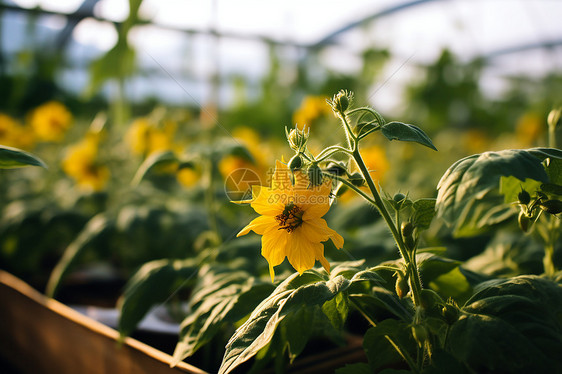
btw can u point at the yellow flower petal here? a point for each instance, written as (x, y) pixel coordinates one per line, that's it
(315, 230)
(259, 225)
(281, 179)
(273, 247)
(318, 230)
(314, 200)
(300, 251)
(319, 254)
(266, 202)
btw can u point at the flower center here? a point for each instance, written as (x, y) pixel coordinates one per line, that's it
(291, 218)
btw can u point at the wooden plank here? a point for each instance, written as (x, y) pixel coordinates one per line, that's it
(41, 335)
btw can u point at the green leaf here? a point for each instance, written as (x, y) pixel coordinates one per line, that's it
(407, 133)
(16, 158)
(152, 284)
(551, 188)
(452, 285)
(218, 299)
(156, 159)
(94, 230)
(468, 197)
(347, 269)
(259, 329)
(554, 170)
(510, 325)
(382, 302)
(380, 352)
(336, 310)
(432, 266)
(424, 210)
(510, 187)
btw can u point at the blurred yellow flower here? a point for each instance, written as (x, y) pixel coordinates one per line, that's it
(8, 130)
(188, 177)
(311, 108)
(378, 165)
(50, 121)
(13, 134)
(290, 220)
(476, 141)
(375, 158)
(81, 163)
(233, 163)
(145, 137)
(529, 128)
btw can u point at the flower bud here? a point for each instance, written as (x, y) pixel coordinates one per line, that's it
(336, 168)
(341, 101)
(297, 138)
(295, 163)
(450, 313)
(399, 197)
(402, 288)
(407, 229)
(357, 179)
(523, 221)
(552, 206)
(524, 197)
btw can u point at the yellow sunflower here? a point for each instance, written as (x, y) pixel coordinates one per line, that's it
(290, 223)
(50, 121)
(81, 164)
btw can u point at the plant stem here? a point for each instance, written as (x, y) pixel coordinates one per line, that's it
(415, 282)
(330, 151)
(210, 200)
(552, 238)
(414, 276)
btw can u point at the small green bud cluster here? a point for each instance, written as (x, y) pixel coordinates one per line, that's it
(529, 206)
(297, 138)
(341, 101)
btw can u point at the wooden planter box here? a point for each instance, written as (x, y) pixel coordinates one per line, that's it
(41, 335)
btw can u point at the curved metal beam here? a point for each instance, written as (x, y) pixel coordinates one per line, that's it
(393, 9)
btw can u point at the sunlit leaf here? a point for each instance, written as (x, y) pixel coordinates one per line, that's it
(16, 158)
(259, 329)
(554, 170)
(469, 198)
(407, 133)
(510, 187)
(424, 210)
